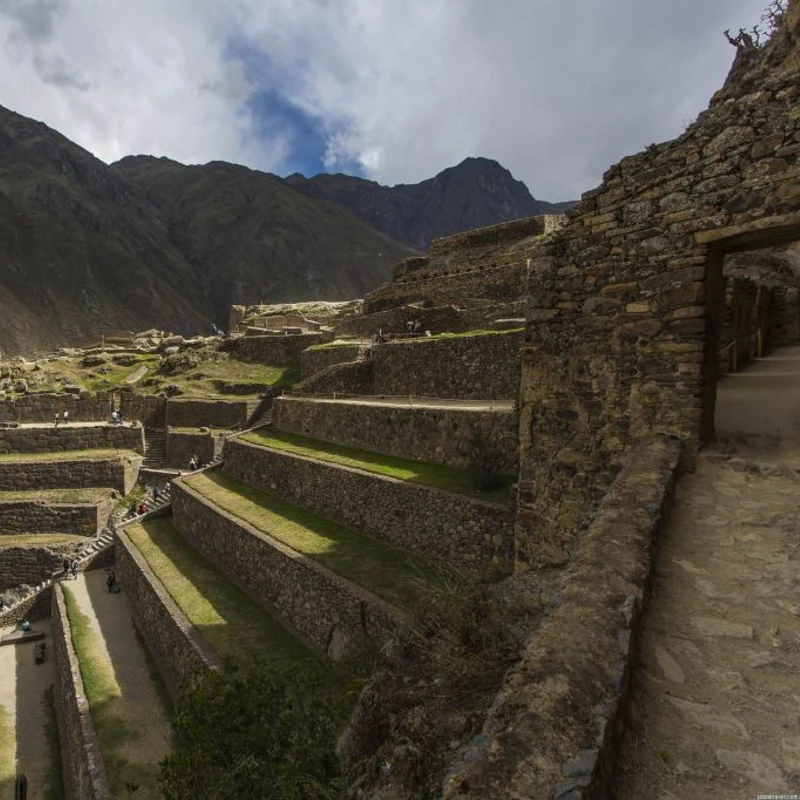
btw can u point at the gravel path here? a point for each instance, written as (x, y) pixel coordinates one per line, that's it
(135, 711)
(22, 687)
(716, 703)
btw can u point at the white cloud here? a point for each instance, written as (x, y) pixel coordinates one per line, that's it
(555, 91)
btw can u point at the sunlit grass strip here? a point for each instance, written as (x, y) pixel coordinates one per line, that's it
(233, 624)
(8, 745)
(437, 476)
(104, 695)
(387, 572)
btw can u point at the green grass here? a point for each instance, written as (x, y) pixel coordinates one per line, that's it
(438, 476)
(53, 788)
(212, 379)
(387, 572)
(233, 624)
(330, 345)
(8, 747)
(113, 731)
(39, 539)
(66, 455)
(478, 332)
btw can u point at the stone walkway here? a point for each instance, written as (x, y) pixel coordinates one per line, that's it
(22, 687)
(716, 703)
(413, 402)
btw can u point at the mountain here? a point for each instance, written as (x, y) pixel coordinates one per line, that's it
(80, 248)
(475, 193)
(251, 238)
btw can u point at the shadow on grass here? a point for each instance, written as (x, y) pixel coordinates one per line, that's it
(238, 628)
(437, 476)
(388, 572)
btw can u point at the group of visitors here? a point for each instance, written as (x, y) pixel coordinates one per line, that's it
(413, 326)
(70, 568)
(117, 417)
(64, 417)
(194, 462)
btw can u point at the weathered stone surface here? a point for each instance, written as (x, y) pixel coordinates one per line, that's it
(66, 437)
(453, 529)
(116, 473)
(423, 433)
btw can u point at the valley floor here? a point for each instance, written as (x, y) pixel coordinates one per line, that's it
(716, 701)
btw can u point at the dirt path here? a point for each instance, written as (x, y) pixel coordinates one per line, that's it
(716, 704)
(132, 723)
(22, 697)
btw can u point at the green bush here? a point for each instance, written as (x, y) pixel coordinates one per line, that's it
(268, 731)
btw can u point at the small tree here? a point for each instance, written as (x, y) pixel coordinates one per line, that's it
(267, 731)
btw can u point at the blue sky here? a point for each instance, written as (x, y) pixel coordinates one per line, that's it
(396, 92)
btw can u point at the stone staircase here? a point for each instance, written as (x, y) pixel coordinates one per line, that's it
(155, 448)
(262, 414)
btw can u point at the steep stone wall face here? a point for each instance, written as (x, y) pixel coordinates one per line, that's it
(482, 367)
(176, 646)
(151, 411)
(322, 606)
(314, 361)
(439, 319)
(553, 729)
(216, 413)
(34, 607)
(30, 565)
(181, 446)
(351, 377)
(36, 516)
(441, 435)
(64, 437)
(784, 316)
(114, 473)
(276, 351)
(84, 407)
(452, 529)
(83, 767)
(622, 326)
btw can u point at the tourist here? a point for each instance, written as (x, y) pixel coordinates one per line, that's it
(142, 508)
(26, 626)
(121, 417)
(56, 425)
(111, 581)
(65, 565)
(114, 417)
(66, 417)
(194, 463)
(417, 326)
(74, 568)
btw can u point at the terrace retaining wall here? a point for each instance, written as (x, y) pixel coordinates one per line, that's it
(84, 771)
(43, 407)
(115, 473)
(440, 435)
(453, 529)
(217, 413)
(38, 516)
(66, 437)
(176, 646)
(275, 351)
(333, 613)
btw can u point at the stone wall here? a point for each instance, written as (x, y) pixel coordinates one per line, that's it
(66, 437)
(333, 613)
(115, 473)
(82, 762)
(622, 323)
(319, 358)
(43, 407)
(351, 377)
(452, 529)
(38, 516)
(30, 565)
(554, 727)
(480, 367)
(181, 446)
(214, 413)
(276, 351)
(150, 410)
(784, 316)
(441, 435)
(36, 606)
(175, 644)
(438, 319)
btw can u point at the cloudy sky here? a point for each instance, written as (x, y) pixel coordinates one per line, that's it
(394, 90)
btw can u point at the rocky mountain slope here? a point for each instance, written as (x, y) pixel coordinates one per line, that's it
(80, 248)
(250, 238)
(475, 193)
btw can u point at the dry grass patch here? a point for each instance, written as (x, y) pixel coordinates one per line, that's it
(233, 624)
(67, 455)
(8, 747)
(386, 571)
(40, 539)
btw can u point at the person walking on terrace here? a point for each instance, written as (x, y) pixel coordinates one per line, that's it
(74, 569)
(66, 416)
(56, 425)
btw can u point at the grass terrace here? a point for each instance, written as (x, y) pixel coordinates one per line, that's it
(437, 476)
(386, 571)
(234, 625)
(41, 539)
(67, 455)
(68, 496)
(8, 748)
